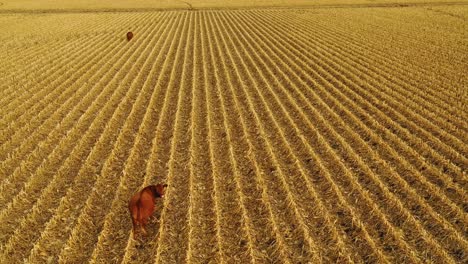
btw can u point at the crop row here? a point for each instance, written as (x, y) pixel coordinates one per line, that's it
(282, 139)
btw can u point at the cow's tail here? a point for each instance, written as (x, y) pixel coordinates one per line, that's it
(138, 203)
(139, 220)
(135, 220)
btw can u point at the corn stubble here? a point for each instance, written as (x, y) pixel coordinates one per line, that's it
(285, 136)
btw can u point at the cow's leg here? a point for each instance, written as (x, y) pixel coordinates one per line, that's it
(143, 230)
(134, 227)
(144, 222)
(135, 231)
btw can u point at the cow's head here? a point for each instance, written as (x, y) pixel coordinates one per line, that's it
(159, 190)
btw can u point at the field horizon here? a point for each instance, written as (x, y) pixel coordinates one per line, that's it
(331, 134)
(52, 6)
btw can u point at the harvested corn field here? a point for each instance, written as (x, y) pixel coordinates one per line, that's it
(333, 135)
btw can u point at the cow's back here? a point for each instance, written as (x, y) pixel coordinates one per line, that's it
(146, 204)
(133, 206)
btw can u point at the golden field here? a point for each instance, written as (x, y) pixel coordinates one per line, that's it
(301, 134)
(141, 5)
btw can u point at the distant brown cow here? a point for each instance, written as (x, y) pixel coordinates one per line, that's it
(141, 205)
(129, 35)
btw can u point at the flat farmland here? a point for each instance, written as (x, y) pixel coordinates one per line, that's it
(40, 6)
(285, 135)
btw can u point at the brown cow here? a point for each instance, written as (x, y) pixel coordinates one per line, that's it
(141, 205)
(129, 35)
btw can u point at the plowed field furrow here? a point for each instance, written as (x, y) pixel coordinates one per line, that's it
(38, 178)
(424, 55)
(287, 135)
(73, 208)
(301, 251)
(403, 88)
(288, 49)
(456, 169)
(59, 126)
(422, 180)
(39, 159)
(305, 156)
(429, 128)
(441, 159)
(21, 96)
(26, 58)
(64, 79)
(290, 134)
(41, 61)
(20, 152)
(91, 220)
(134, 170)
(457, 159)
(46, 82)
(445, 86)
(396, 65)
(262, 236)
(202, 242)
(434, 15)
(228, 98)
(94, 144)
(52, 72)
(320, 142)
(38, 28)
(106, 246)
(25, 103)
(49, 72)
(37, 103)
(174, 226)
(27, 27)
(431, 46)
(405, 28)
(17, 57)
(427, 26)
(236, 240)
(389, 78)
(104, 27)
(11, 92)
